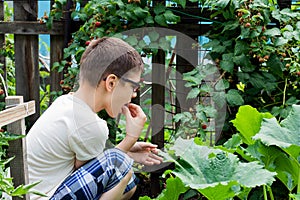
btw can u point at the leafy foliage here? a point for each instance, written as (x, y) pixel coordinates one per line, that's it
(281, 150)
(256, 45)
(209, 170)
(109, 18)
(267, 149)
(6, 184)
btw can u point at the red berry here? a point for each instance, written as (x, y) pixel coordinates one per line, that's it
(97, 24)
(247, 25)
(87, 43)
(298, 73)
(204, 126)
(266, 57)
(61, 82)
(1, 91)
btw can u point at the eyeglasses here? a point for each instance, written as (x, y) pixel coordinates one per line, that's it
(135, 85)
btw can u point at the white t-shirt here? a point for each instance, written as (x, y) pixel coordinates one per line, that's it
(68, 129)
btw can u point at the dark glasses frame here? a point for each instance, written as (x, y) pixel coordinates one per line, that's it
(136, 85)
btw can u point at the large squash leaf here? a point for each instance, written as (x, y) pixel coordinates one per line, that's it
(248, 121)
(284, 135)
(206, 169)
(275, 159)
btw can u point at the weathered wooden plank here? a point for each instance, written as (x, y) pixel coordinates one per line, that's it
(31, 28)
(27, 70)
(17, 149)
(56, 55)
(17, 112)
(26, 57)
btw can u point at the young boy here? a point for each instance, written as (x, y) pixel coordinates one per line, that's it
(66, 144)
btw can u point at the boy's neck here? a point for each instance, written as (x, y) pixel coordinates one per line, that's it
(89, 95)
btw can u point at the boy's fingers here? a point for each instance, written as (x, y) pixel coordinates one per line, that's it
(125, 111)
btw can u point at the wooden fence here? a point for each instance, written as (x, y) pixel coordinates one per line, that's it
(14, 117)
(26, 29)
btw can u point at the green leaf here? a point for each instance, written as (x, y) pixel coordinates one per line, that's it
(275, 159)
(211, 44)
(219, 49)
(233, 142)
(149, 20)
(132, 40)
(193, 93)
(225, 191)
(174, 188)
(140, 13)
(241, 47)
(227, 65)
(285, 134)
(280, 41)
(170, 17)
(159, 8)
(234, 98)
(164, 43)
(276, 65)
(161, 20)
(248, 121)
(295, 196)
(272, 32)
(231, 25)
(244, 62)
(222, 3)
(206, 169)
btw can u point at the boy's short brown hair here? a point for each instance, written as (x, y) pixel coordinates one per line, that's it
(106, 56)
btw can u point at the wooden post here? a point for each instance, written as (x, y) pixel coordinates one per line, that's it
(158, 111)
(56, 55)
(17, 149)
(26, 57)
(158, 98)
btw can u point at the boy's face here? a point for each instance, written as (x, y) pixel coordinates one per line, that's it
(125, 90)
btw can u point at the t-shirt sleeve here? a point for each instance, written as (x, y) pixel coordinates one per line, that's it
(88, 142)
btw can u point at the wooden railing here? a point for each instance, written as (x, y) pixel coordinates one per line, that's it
(14, 117)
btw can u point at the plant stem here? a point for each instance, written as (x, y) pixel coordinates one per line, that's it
(284, 92)
(265, 193)
(298, 187)
(271, 193)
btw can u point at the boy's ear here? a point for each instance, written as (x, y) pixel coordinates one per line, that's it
(110, 82)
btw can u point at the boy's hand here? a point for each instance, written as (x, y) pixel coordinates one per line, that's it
(145, 153)
(135, 119)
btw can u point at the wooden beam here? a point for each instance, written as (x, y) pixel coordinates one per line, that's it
(17, 148)
(16, 112)
(31, 28)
